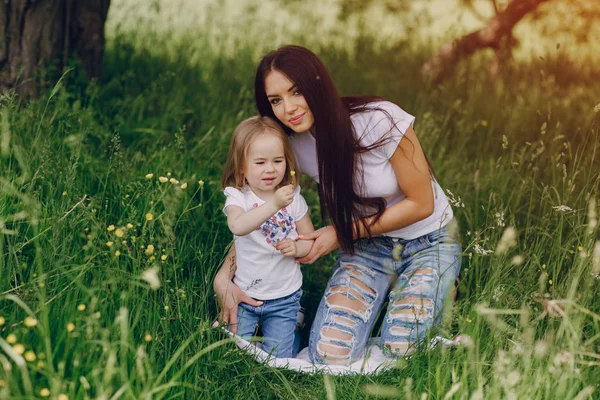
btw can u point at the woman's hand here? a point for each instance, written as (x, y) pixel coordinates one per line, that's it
(229, 295)
(325, 241)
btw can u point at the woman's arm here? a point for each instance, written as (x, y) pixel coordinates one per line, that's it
(413, 177)
(228, 294)
(304, 227)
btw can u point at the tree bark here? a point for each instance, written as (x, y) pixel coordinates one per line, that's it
(37, 34)
(438, 67)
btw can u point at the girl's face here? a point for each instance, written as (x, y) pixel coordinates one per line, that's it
(265, 164)
(288, 104)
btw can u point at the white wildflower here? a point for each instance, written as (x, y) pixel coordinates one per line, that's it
(151, 276)
(563, 209)
(597, 108)
(480, 250)
(508, 240)
(499, 218)
(456, 201)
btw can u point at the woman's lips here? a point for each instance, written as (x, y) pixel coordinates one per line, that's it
(297, 120)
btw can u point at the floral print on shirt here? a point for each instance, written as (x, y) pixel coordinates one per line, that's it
(278, 227)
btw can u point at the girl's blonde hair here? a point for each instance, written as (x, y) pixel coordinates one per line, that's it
(245, 133)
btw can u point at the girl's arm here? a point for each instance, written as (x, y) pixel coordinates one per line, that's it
(242, 222)
(412, 174)
(228, 294)
(299, 248)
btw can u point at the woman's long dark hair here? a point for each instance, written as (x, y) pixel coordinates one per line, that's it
(334, 134)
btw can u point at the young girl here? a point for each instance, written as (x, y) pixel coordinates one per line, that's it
(388, 213)
(265, 212)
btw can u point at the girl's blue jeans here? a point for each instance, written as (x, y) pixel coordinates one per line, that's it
(420, 272)
(278, 323)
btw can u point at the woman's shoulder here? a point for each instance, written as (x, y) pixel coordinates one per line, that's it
(377, 111)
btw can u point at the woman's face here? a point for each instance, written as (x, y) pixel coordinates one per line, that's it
(288, 104)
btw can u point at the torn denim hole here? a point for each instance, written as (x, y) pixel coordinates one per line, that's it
(343, 321)
(399, 348)
(341, 302)
(333, 353)
(412, 314)
(355, 269)
(401, 331)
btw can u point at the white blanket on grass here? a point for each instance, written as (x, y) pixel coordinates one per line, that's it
(372, 363)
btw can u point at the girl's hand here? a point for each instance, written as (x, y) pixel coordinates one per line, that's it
(284, 196)
(229, 295)
(287, 247)
(325, 242)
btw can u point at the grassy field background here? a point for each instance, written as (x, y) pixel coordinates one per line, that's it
(111, 227)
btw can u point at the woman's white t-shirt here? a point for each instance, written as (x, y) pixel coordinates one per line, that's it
(374, 165)
(262, 271)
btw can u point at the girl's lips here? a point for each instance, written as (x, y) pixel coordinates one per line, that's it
(297, 120)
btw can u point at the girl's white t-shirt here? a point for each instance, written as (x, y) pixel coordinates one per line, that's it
(374, 165)
(262, 271)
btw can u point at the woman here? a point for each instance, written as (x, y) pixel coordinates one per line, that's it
(390, 218)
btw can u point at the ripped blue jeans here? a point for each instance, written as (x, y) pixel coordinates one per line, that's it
(422, 272)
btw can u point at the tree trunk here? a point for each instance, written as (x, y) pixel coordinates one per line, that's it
(438, 67)
(37, 34)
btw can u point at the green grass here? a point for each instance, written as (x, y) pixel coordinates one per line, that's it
(75, 162)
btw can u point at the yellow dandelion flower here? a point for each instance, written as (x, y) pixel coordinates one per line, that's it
(70, 327)
(133, 239)
(11, 339)
(2, 321)
(130, 226)
(168, 174)
(81, 307)
(166, 308)
(579, 248)
(152, 258)
(29, 356)
(162, 179)
(64, 193)
(149, 250)
(41, 284)
(19, 348)
(109, 243)
(110, 228)
(149, 217)
(45, 392)
(183, 185)
(62, 396)
(30, 322)
(148, 337)
(550, 281)
(174, 181)
(149, 176)
(201, 183)
(484, 123)
(119, 232)
(163, 257)
(117, 253)
(543, 266)
(124, 241)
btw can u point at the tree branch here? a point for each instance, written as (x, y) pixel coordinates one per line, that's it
(438, 67)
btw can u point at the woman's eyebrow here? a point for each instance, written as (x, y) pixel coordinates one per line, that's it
(289, 90)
